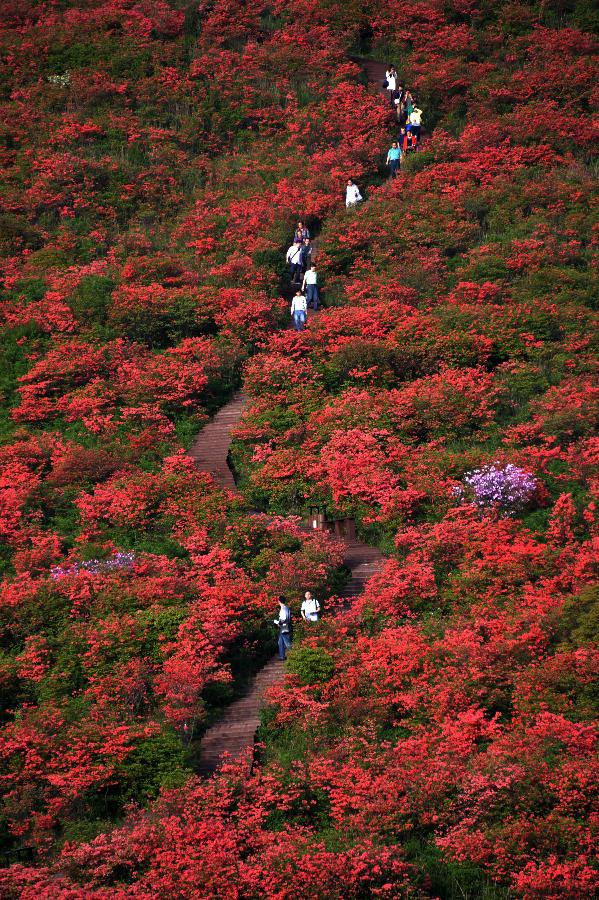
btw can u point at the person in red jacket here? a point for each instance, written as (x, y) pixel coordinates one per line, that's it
(402, 140)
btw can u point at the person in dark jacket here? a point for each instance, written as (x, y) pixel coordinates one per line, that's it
(301, 232)
(306, 255)
(284, 623)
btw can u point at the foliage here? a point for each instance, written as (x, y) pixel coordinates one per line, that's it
(437, 738)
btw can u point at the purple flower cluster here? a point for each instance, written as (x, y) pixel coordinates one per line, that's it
(508, 487)
(119, 560)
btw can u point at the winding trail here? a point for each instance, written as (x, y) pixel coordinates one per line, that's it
(210, 449)
(232, 737)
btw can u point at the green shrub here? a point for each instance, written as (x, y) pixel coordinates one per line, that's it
(312, 665)
(91, 299)
(579, 620)
(159, 761)
(15, 346)
(162, 328)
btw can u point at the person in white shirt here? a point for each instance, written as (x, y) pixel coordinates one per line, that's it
(416, 122)
(310, 286)
(310, 608)
(294, 258)
(299, 311)
(283, 620)
(352, 194)
(391, 78)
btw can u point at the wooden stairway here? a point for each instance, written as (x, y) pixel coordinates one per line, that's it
(210, 450)
(232, 736)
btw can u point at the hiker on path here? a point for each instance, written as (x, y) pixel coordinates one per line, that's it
(294, 258)
(301, 232)
(310, 608)
(299, 311)
(416, 123)
(310, 286)
(391, 79)
(284, 623)
(352, 194)
(398, 103)
(306, 255)
(402, 140)
(394, 158)
(412, 141)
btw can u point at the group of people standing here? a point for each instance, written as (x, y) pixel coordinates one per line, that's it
(299, 255)
(303, 274)
(310, 613)
(409, 119)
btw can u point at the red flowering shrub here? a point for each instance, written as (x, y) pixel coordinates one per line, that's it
(155, 161)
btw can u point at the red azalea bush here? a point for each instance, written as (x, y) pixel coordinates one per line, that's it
(437, 738)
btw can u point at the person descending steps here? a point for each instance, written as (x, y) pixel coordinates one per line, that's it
(310, 286)
(352, 194)
(394, 158)
(284, 623)
(299, 311)
(294, 258)
(310, 610)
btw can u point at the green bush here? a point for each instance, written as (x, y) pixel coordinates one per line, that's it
(162, 328)
(159, 761)
(15, 346)
(579, 620)
(91, 299)
(312, 665)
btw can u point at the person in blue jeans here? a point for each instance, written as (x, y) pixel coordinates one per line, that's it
(310, 286)
(294, 258)
(284, 623)
(299, 311)
(394, 158)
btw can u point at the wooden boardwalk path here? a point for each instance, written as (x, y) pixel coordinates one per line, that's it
(233, 735)
(210, 449)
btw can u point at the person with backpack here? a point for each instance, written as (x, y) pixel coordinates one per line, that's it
(310, 608)
(398, 102)
(394, 158)
(284, 623)
(294, 258)
(299, 311)
(352, 194)
(310, 286)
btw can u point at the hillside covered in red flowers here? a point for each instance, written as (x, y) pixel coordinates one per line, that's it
(436, 740)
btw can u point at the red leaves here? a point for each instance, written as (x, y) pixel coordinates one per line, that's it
(154, 166)
(355, 467)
